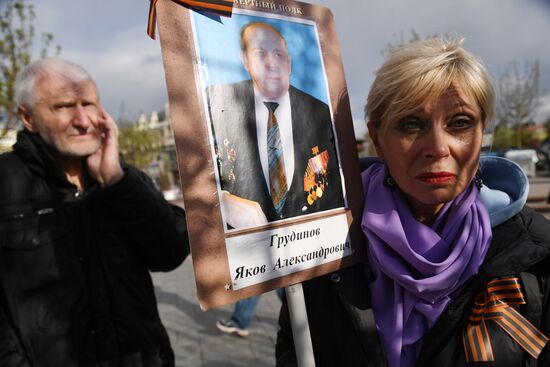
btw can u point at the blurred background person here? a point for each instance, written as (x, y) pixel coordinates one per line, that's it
(243, 312)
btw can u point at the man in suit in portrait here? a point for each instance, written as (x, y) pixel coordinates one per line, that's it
(274, 143)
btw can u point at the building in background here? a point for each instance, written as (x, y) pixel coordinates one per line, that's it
(163, 166)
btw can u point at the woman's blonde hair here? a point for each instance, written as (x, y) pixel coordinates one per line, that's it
(416, 72)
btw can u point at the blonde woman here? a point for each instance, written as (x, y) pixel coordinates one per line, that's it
(458, 270)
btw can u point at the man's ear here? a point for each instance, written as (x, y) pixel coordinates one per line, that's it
(26, 118)
(289, 64)
(373, 133)
(244, 59)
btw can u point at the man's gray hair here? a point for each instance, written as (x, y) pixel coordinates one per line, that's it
(53, 67)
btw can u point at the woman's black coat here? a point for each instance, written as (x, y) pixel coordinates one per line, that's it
(342, 324)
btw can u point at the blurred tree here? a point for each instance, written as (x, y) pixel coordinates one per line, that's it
(519, 97)
(414, 36)
(164, 180)
(16, 40)
(530, 138)
(139, 147)
(504, 137)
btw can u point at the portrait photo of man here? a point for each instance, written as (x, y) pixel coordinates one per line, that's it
(274, 143)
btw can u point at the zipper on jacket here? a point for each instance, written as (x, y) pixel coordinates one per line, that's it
(43, 211)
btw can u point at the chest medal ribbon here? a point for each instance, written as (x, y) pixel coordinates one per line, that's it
(216, 7)
(315, 177)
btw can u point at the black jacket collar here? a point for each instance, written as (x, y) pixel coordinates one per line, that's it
(40, 159)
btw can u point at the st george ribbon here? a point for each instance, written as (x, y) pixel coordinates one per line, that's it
(217, 7)
(496, 304)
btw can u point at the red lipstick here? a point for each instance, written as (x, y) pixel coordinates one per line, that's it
(436, 177)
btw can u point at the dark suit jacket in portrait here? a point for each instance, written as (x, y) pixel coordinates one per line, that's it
(233, 119)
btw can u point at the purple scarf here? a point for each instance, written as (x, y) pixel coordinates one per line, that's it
(417, 269)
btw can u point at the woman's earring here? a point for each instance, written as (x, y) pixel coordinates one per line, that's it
(389, 181)
(478, 181)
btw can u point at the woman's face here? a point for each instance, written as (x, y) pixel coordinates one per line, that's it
(433, 152)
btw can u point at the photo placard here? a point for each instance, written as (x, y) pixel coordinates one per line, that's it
(265, 144)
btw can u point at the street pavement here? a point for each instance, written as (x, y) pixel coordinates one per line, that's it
(539, 187)
(193, 333)
(196, 340)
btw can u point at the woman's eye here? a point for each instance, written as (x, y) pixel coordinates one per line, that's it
(410, 124)
(461, 123)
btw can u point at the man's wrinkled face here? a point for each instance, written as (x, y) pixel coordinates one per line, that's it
(267, 61)
(65, 114)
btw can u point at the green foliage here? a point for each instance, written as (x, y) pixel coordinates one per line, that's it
(164, 180)
(504, 138)
(16, 41)
(139, 147)
(530, 139)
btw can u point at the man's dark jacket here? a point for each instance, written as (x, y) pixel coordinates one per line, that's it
(74, 267)
(233, 116)
(342, 323)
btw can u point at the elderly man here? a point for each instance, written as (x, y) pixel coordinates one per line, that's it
(79, 233)
(274, 143)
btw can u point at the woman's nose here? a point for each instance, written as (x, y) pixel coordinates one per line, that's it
(436, 143)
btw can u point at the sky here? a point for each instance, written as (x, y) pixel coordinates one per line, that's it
(109, 39)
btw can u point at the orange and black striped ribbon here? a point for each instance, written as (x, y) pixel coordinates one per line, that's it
(495, 304)
(218, 7)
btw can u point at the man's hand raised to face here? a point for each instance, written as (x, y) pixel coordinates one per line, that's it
(104, 164)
